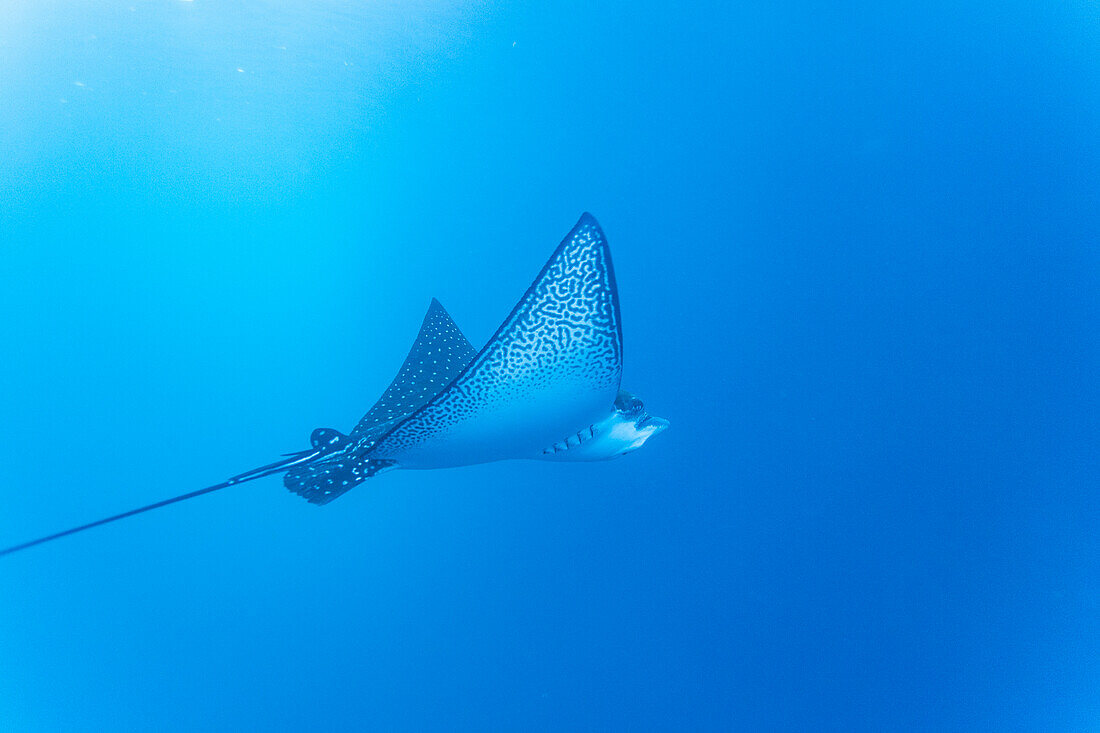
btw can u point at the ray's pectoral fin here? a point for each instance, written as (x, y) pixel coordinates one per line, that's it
(438, 355)
(552, 368)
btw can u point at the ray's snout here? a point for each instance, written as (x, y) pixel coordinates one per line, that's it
(657, 424)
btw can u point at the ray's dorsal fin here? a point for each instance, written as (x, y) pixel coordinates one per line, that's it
(559, 352)
(437, 356)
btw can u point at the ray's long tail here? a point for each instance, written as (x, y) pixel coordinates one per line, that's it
(292, 460)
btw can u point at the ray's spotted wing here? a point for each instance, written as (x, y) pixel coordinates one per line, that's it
(438, 355)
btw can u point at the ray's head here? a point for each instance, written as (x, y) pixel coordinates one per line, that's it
(630, 425)
(626, 428)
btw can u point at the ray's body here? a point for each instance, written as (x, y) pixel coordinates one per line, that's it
(545, 387)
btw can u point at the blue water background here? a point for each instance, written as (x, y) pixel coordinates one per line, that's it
(857, 251)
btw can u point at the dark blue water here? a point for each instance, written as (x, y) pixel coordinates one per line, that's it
(857, 253)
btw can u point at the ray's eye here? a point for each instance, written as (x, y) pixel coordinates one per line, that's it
(628, 404)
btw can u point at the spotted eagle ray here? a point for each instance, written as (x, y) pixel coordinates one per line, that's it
(545, 387)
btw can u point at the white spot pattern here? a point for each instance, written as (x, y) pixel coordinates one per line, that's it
(436, 357)
(439, 354)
